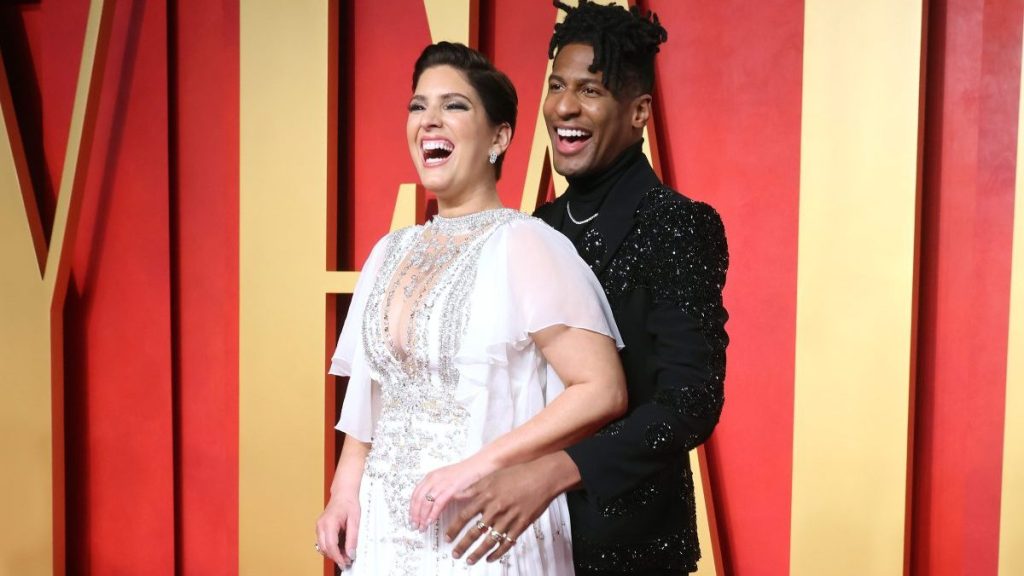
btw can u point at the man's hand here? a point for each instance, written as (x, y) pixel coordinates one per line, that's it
(508, 501)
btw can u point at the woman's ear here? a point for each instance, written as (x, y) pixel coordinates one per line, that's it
(502, 137)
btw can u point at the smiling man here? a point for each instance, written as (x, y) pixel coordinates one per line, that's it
(662, 261)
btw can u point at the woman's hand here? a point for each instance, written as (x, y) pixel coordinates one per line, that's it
(341, 516)
(437, 488)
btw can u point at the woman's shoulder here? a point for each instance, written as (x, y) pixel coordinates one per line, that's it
(387, 243)
(523, 229)
(530, 243)
(399, 233)
(396, 237)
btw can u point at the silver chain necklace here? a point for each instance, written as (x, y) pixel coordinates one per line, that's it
(574, 220)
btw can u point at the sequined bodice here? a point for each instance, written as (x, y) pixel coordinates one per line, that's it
(414, 320)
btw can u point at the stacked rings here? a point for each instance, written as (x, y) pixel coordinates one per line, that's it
(493, 534)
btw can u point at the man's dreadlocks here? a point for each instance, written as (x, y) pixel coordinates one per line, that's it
(624, 42)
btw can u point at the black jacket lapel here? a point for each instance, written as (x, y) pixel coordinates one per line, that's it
(615, 219)
(552, 212)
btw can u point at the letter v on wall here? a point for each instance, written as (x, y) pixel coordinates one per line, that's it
(31, 301)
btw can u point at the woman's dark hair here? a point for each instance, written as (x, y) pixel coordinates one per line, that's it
(624, 43)
(495, 89)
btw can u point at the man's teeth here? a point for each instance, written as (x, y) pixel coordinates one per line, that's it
(571, 133)
(438, 145)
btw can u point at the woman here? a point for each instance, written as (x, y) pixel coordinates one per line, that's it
(460, 338)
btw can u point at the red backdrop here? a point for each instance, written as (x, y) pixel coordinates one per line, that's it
(151, 319)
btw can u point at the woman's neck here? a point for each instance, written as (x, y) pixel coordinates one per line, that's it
(469, 202)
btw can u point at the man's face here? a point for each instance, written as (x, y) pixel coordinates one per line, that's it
(589, 127)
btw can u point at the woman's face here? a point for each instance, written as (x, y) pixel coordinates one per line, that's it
(449, 133)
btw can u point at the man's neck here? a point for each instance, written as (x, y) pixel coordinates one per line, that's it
(600, 181)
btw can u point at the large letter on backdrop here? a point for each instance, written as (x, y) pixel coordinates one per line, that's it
(31, 300)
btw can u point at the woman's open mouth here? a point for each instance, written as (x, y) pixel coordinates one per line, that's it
(436, 151)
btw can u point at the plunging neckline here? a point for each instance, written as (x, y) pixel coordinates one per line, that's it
(448, 235)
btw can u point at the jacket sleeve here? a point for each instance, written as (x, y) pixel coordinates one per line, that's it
(683, 268)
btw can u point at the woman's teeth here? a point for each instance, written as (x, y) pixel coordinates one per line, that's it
(435, 151)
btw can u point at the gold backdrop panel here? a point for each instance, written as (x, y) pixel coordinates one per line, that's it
(855, 286)
(282, 309)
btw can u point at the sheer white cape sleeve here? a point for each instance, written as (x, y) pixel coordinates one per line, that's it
(529, 278)
(362, 398)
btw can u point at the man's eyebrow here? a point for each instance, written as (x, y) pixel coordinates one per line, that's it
(579, 80)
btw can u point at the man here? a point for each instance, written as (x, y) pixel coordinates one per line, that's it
(662, 260)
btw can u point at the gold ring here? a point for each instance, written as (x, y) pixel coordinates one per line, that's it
(496, 536)
(481, 526)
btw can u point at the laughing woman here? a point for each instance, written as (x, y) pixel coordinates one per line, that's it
(475, 342)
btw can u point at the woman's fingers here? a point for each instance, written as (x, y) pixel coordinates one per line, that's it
(438, 503)
(424, 499)
(469, 510)
(327, 541)
(351, 537)
(429, 499)
(328, 533)
(321, 543)
(417, 502)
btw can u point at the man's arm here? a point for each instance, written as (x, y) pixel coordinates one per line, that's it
(594, 394)
(512, 497)
(685, 276)
(686, 325)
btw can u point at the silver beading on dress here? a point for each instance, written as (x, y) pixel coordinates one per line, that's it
(420, 420)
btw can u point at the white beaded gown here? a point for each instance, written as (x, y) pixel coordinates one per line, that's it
(440, 362)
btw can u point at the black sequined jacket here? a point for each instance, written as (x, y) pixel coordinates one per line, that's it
(662, 261)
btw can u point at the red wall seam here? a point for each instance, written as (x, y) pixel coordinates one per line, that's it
(117, 318)
(972, 100)
(206, 209)
(728, 99)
